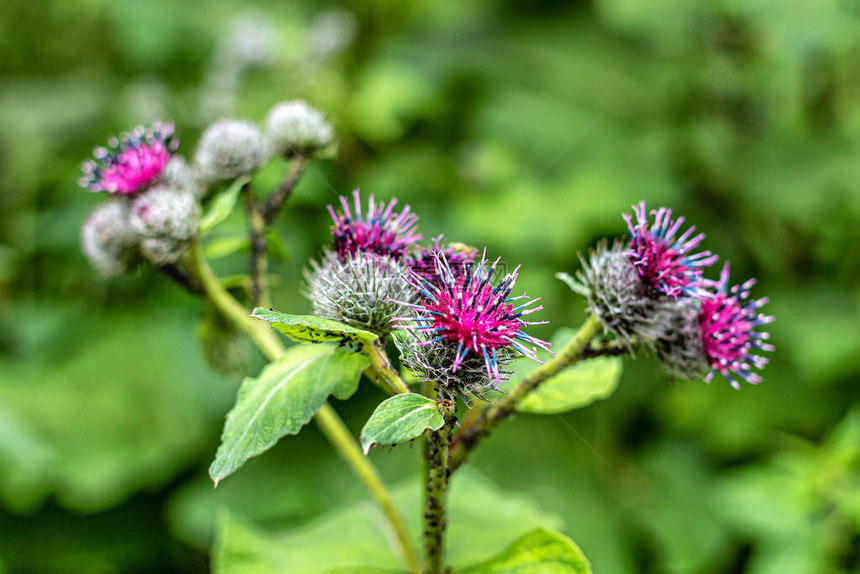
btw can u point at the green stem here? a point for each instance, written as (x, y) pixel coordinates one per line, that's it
(380, 369)
(339, 436)
(259, 262)
(471, 434)
(436, 489)
(326, 418)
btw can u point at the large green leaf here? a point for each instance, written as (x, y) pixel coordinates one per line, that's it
(572, 388)
(538, 552)
(482, 521)
(399, 419)
(222, 206)
(285, 396)
(310, 329)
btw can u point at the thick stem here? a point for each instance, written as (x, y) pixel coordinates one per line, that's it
(471, 434)
(436, 489)
(259, 262)
(339, 436)
(380, 369)
(327, 419)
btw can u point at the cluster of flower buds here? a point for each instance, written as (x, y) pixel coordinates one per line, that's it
(153, 207)
(651, 292)
(460, 326)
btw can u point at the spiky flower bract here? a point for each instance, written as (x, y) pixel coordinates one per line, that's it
(177, 173)
(230, 148)
(459, 256)
(727, 323)
(364, 290)
(165, 220)
(379, 230)
(626, 306)
(680, 349)
(107, 239)
(131, 161)
(297, 128)
(663, 260)
(463, 321)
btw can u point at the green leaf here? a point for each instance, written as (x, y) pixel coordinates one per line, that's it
(310, 329)
(222, 206)
(572, 388)
(285, 396)
(226, 246)
(399, 419)
(574, 285)
(357, 534)
(538, 552)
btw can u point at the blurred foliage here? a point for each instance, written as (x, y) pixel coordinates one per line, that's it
(527, 127)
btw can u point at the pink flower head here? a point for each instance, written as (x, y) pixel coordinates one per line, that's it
(131, 162)
(459, 257)
(665, 262)
(381, 230)
(726, 324)
(466, 312)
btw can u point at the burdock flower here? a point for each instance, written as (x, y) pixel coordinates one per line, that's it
(131, 162)
(664, 261)
(626, 306)
(717, 334)
(727, 323)
(464, 330)
(379, 230)
(364, 290)
(459, 256)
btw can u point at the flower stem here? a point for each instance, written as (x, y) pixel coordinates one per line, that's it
(326, 418)
(380, 369)
(259, 262)
(437, 486)
(471, 434)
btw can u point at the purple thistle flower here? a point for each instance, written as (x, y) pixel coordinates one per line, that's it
(381, 230)
(459, 256)
(664, 261)
(465, 317)
(130, 162)
(726, 325)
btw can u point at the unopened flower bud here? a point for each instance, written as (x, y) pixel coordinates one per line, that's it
(364, 290)
(178, 174)
(229, 149)
(680, 349)
(107, 240)
(297, 128)
(165, 219)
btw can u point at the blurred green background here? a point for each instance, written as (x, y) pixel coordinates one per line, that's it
(524, 126)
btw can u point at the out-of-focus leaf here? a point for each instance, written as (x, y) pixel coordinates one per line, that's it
(115, 419)
(356, 535)
(222, 205)
(285, 396)
(275, 248)
(399, 419)
(311, 329)
(538, 552)
(26, 464)
(226, 246)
